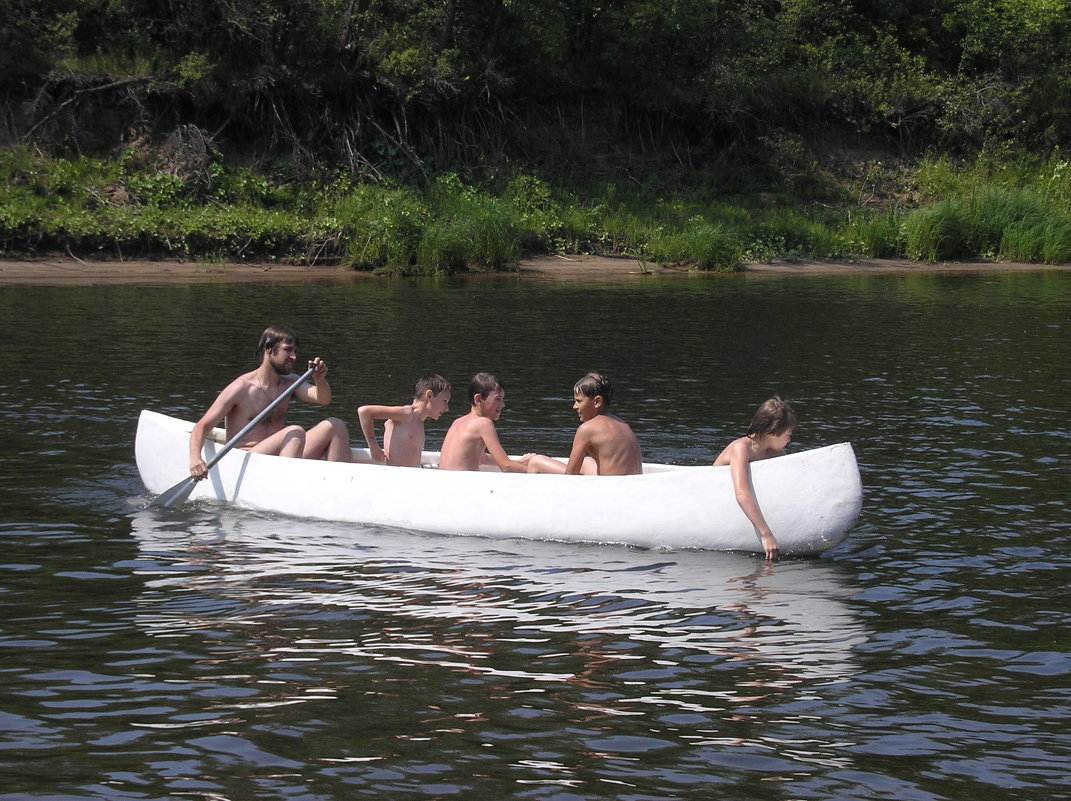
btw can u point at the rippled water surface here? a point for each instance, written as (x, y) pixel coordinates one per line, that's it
(213, 654)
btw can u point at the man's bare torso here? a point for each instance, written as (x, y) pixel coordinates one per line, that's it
(251, 398)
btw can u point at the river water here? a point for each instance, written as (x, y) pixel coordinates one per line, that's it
(213, 654)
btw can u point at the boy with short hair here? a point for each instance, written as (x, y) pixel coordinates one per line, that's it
(473, 440)
(768, 435)
(403, 433)
(604, 444)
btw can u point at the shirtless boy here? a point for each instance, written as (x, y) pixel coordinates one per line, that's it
(249, 394)
(403, 433)
(768, 435)
(473, 440)
(604, 444)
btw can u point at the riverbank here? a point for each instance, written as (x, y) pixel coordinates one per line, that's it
(61, 271)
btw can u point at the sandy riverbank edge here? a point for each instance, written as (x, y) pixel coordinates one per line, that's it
(60, 271)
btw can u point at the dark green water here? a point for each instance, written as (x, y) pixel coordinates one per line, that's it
(210, 654)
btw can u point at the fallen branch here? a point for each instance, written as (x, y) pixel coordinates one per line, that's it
(78, 94)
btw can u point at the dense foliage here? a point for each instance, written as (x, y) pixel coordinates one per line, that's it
(393, 83)
(797, 109)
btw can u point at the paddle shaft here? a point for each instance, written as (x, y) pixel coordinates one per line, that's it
(181, 491)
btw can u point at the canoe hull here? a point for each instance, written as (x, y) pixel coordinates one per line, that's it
(810, 499)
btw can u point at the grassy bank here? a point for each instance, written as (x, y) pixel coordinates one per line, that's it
(149, 205)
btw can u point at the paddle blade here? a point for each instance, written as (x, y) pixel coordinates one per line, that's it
(176, 496)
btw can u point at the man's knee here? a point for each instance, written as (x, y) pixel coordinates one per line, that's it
(328, 439)
(335, 429)
(292, 442)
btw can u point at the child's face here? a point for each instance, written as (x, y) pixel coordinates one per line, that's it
(439, 404)
(780, 441)
(584, 406)
(491, 405)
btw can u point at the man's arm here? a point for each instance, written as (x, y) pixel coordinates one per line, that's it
(320, 391)
(216, 414)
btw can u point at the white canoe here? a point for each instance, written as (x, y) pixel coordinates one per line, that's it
(810, 499)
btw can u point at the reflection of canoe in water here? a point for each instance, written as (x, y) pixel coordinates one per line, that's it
(810, 499)
(250, 569)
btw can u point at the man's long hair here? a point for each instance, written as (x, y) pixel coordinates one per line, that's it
(271, 337)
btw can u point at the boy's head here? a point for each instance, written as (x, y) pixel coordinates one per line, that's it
(433, 391)
(433, 381)
(482, 385)
(773, 418)
(593, 385)
(487, 396)
(272, 336)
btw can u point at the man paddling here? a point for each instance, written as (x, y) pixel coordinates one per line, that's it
(249, 394)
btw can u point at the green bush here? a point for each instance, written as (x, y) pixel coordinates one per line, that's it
(876, 235)
(934, 234)
(992, 223)
(791, 235)
(1047, 242)
(468, 230)
(705, 245)
(380, 228)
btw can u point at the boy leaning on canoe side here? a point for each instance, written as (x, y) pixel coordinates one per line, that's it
(403, 433)
(604, 444)
(250, 393)
(472, 440)
(768, 435)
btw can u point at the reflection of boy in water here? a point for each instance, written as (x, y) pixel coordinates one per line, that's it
(249, 394)
(768, 435)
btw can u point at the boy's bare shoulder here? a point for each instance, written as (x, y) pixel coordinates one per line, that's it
(479, 423)
(589, 428)
(609, 423)
(731, 450)
(470, 423)
(404, 413)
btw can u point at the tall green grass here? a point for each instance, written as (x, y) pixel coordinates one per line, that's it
(468, 229)
(1006, 206)
(1004, 224)
(703, 244)
(376, 228)
(141, 205)
(876, 235)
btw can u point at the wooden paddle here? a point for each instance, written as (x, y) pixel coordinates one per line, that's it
(180, 493)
